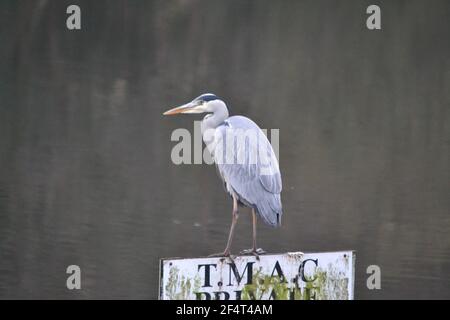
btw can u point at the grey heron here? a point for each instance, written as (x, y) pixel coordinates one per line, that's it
(251, 174)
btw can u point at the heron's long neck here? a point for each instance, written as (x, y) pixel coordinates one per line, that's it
(219, 115)
(210, 124)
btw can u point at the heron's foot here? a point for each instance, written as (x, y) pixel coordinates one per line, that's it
(260, 251)
(246, 252)
(252, 251)
(226, 253)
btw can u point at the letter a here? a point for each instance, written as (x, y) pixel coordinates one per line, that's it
(374, 20)
(374, 280)
(74, 280)
(74, 20)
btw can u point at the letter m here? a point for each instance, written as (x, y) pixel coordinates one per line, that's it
(239, 276)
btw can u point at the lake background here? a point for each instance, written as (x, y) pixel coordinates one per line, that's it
(85, 170)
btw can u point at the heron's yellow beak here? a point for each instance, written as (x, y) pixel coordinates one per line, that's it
(186, 108)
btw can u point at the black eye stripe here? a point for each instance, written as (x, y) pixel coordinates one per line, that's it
(207, 97)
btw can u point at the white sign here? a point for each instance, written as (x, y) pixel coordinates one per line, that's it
(289, 276)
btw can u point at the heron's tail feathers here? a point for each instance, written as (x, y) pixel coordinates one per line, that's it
(270, 210)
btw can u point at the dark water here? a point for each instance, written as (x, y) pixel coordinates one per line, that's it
(85, 170)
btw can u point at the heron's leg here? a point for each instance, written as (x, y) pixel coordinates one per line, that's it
(254, 230)
(254, 250)
(233, 224)
(235, 216)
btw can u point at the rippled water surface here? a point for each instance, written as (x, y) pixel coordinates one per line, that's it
(85, 170)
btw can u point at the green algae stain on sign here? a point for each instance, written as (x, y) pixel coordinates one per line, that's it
(290, 276)
(179, 287)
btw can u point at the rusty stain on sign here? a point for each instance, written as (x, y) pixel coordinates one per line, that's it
(289, 276)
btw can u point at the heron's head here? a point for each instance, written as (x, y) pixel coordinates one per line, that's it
(207, 102)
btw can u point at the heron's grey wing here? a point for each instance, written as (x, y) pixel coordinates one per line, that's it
(256, 183)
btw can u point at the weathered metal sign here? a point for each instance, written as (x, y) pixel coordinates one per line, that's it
(290, 276)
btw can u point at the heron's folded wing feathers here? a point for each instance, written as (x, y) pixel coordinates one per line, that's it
(257, 183)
